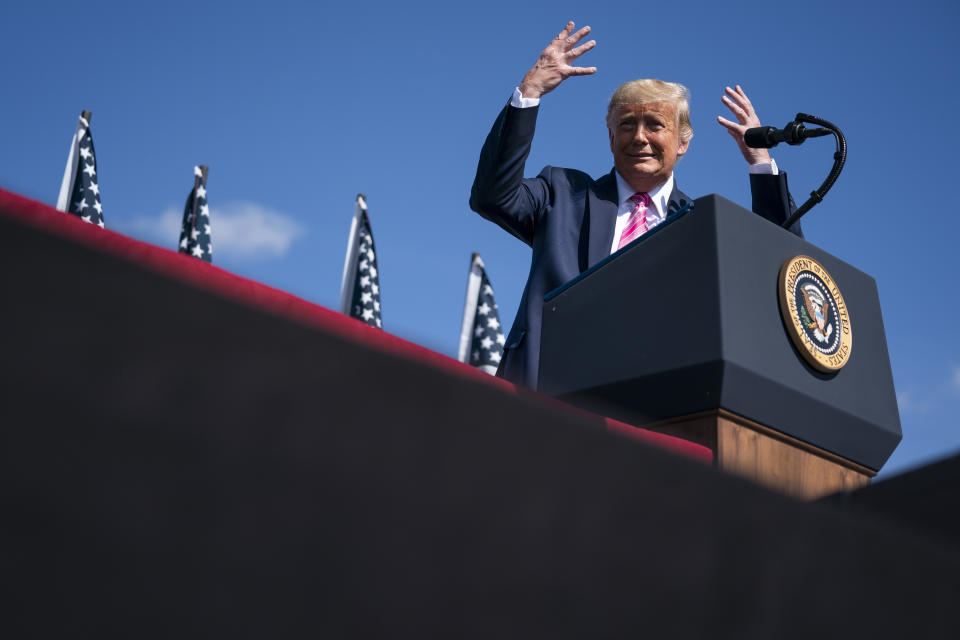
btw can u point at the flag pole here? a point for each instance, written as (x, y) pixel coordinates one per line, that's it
(350, 262)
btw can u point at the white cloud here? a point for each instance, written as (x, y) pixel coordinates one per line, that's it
(930, 397)
(911, 402)
(163, 229)
(239, 230)
(904, 400)
(248, 229)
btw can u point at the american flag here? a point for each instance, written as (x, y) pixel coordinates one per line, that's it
(79, 191)
(481, 336)
(360, 290)
(195, 231)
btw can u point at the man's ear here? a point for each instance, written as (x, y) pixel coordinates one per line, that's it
(610, 135)
(682, 148)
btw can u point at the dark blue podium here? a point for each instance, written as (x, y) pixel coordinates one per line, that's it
(682, 332)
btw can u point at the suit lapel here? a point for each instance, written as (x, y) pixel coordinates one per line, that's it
(602, 219)
(678, 199)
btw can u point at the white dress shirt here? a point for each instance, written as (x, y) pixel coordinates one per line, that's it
(656, 212)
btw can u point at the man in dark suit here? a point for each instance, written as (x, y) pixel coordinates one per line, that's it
(573, 221)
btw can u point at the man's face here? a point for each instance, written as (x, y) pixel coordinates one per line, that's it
(645, 143)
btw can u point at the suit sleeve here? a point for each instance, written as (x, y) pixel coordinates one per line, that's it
(772, 199)
(500, 193)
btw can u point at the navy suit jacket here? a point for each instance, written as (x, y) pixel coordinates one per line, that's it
(568, 218)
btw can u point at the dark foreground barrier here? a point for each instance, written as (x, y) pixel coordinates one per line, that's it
(185, 457)
(927, 499)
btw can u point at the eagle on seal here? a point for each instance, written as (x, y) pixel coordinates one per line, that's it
(813, 301)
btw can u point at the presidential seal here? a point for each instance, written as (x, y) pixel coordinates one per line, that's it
(816, 316)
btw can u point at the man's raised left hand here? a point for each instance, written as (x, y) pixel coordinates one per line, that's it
(738, 102)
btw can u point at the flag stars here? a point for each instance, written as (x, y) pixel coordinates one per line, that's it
(366, 289)
(85, 189)
(488, 341)
(195, 231)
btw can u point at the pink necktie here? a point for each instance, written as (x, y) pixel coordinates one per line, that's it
(637, 223)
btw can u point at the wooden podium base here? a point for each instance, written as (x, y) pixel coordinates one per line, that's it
(767, 457)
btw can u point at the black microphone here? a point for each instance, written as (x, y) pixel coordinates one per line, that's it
(769, 137)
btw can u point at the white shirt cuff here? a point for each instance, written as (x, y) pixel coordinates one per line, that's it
(765, 168)
(518, 101)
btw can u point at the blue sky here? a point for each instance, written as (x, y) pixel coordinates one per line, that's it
(297, 107)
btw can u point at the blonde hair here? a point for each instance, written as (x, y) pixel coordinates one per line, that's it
(649, 90)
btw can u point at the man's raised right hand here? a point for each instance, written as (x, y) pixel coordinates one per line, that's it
(553, 65)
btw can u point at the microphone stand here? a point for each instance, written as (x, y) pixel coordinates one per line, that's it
(839, 158)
